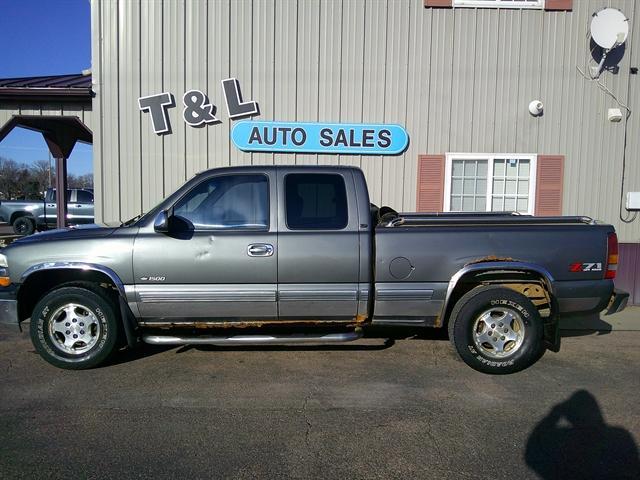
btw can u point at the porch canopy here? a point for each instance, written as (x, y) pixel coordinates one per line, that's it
(61, 131)
(61, 134)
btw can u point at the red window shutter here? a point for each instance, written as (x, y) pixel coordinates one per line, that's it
(430, 183)
(558, 5)
(549, 181)
(438, 3)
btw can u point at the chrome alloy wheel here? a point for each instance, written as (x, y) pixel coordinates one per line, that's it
(498, 332)
(74, 329)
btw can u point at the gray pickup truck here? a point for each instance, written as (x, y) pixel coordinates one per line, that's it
(25, 216)
(297, 254)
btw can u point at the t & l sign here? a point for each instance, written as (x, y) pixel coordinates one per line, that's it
(198, 111)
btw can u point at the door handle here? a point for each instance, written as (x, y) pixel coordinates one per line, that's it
(260, 250)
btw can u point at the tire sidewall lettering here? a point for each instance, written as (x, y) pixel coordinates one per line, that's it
(45, 341)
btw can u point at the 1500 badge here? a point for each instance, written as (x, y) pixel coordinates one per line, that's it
(585, 267)
(153, 279)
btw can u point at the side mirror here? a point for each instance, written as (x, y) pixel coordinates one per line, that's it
(161, 223)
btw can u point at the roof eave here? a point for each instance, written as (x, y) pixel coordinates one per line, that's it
(22, 93)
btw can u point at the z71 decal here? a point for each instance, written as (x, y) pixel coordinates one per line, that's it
(586, 267)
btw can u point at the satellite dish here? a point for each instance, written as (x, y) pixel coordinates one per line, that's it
(609, 28)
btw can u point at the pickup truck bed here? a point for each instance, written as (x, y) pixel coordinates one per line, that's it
(301, 249)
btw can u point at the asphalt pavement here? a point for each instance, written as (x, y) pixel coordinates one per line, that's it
(400, 407)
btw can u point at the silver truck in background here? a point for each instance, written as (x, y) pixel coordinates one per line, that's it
(297, 254)
(27, 216)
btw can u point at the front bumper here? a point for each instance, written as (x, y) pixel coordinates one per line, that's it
(9, 306)
(618, 302)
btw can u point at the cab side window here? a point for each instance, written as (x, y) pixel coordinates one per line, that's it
(316, 201)
(84, 196)
(227, 202)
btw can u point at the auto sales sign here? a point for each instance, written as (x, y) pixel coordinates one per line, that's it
(282, 137)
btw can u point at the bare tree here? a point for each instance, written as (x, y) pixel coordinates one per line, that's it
(42, 174)
(17, 180)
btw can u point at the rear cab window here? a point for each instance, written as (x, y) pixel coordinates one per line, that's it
(316, 201)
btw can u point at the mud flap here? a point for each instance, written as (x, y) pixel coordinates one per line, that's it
(552, 334)
(128, 322)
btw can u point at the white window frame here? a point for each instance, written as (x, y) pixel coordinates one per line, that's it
(490, 157)
(539, 5)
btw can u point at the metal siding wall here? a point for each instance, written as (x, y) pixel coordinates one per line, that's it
(173, 50)
(395, 97)
(285, 96)
(352, 69)
(458, 79)
(308, 74)
(263, 65)
(240, 63)
(151, 82)
(109, 199)
(128, 93)
(196, 44)
(218, 60)
(418, 84)
(329, 68)
(373, 86)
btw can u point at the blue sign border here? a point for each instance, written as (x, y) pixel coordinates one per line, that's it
(321, 138)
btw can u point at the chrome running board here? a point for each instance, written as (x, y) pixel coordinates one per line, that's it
(253, 339)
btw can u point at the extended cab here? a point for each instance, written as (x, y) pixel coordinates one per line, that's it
(291, 254)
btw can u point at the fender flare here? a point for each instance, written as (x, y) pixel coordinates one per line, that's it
(496, 266)
(129, 322)
(113, 276)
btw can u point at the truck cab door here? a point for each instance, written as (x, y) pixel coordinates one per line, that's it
(80, 207)
(318, 239)
(218, 260)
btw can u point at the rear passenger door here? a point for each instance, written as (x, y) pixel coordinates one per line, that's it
(318, 261)
(81, 207)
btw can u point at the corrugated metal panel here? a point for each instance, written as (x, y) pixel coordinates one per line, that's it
(458, 79)
(418, 81)
(395, 97)
(173, 60)
(97, 65)
(352, 70)
(329, 68)
(108, 190)
(307, 75)
(285, 96)
(240, 62)
(151, 82)
(627, 278)
(373, 86)
(263, 65)
(196, 44)
(218, 60)
(128, 93)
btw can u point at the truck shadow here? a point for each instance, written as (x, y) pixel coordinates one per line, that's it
(574, 441)
(585, 325)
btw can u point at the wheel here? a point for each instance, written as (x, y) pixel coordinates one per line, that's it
(23, 226)
(74, 328)
(496, 330)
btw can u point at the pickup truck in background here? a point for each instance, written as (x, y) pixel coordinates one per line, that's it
(297, 254)
(27, 216)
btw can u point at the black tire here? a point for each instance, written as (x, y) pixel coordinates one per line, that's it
(104, 324)
(24, 226)
(467, 330)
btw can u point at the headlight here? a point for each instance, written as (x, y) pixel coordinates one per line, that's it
(5, 280)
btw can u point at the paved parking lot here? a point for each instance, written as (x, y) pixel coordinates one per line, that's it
(396, 408)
